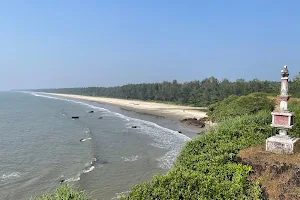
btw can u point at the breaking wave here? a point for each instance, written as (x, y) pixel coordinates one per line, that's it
(10, 175)
(91, 168)
(130, 159)
(119, 195)
(73, 179)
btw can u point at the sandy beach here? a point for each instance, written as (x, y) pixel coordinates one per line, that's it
(174, 112)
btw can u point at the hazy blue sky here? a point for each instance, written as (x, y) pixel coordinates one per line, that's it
(106, 43)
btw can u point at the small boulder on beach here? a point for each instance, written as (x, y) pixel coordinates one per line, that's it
(194, 122)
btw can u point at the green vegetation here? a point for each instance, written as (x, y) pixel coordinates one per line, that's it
(207, 167)
(236, 106)
(194, 93)
(297, 78)
(65, 192)
(295, 86)
(294, 106)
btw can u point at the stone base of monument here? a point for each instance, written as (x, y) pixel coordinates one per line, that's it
(283, 144)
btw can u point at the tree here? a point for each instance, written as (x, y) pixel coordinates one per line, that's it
(295, 86)
(297, 78)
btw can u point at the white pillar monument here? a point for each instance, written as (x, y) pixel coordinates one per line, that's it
(283, 143)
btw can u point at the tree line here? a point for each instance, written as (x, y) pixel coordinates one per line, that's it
(195, 93)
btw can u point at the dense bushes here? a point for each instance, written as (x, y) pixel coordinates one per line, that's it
(294, 106)
(207, 167)
(236, 106)
(65, 192)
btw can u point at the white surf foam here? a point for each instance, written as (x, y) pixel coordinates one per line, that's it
(10, 175)
(91, 163)
(73, 179)
(167, 161)
(69, 100)
(163, 137)
(130, 158)
(119, 195)
(85, 139)
(87, 130)
(89, 169)
(158, 145)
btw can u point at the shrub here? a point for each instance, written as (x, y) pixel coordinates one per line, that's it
(294, 106)
(65, 192)
(237, 106)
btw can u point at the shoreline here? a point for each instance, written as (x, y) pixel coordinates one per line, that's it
(172, 112)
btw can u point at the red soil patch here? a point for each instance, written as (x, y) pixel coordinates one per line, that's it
(278, 174)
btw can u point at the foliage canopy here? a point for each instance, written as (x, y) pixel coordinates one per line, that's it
(236, 106)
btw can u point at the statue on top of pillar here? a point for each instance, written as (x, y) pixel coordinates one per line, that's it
(283, 120)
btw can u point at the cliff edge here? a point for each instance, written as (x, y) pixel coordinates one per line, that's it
(279, 175)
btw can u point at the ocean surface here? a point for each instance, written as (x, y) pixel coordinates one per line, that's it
(42, 145)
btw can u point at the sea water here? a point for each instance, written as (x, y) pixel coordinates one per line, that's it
(41, 146)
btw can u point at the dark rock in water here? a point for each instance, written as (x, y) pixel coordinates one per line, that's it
(134, 127)
(102, 162)
(100, 117)
(91, 111)
(61, 181)
(99, 161)
(179, 132)
(75, 117)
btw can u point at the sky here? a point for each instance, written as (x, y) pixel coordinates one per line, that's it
(54, 43)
